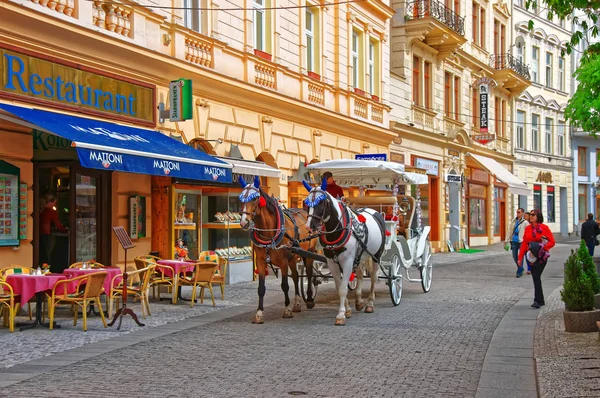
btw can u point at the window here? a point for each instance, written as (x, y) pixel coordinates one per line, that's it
(561, 138)
(497, 115)
(427, 84)
(482, 31)
(521, 52)
(537, 197)
(503, 121)
(373, 67)
(549, 123)
(561, 74)
(582, 161)
(478, 25)
(259, 25)
(549, 69)
(535, 133)
(477, 216)
(475, 106)
(451, 96)
(416, 81)
(550, 208)
(192, 18)
(582, 201)
(475, 23)
(535, 64)
(355, 63)
(520, 129)
(310, 40)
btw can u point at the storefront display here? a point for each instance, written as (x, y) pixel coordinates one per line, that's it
(9, 204)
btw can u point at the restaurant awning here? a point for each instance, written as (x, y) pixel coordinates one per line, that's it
(110, 146)
(515, 185)
(253, 168)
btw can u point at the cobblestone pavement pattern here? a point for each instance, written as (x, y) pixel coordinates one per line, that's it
(431, 345)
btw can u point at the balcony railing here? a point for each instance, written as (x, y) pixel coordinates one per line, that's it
(507, 61)
(432, 8)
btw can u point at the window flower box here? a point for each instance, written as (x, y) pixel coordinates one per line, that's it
(314, 75)
(359, 91)
(374, 98)
(263, 55)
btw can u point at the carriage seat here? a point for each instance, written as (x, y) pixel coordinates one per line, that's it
(377, 203)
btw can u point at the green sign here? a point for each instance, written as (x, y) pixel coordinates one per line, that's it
(180, 95)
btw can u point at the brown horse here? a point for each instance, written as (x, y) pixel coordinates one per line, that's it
(273, 230)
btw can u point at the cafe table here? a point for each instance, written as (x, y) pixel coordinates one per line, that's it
(179, 267)
(28, 286)
(111, 273)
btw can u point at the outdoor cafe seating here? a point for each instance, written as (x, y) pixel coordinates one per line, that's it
(139, 290)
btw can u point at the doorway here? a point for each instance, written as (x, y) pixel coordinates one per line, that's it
(71, 215)
(564, 212)
(454, 208)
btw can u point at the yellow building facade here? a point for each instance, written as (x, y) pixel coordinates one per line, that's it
(281, 86)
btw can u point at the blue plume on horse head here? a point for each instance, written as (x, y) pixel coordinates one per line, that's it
(242, 181)
(256, 182)
(324, 184)
(307, 186)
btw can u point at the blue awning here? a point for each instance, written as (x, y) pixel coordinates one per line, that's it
(110, 146)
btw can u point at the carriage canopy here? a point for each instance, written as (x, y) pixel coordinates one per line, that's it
(349, 172)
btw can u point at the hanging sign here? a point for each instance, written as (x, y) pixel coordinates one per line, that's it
(371, 156)
(137, 217)
(180, 100)
(484, 90)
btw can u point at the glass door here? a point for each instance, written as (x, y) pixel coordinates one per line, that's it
(86, 217)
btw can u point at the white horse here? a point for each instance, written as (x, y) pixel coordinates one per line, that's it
(349, 240)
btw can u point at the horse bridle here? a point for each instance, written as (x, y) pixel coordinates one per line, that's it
(322, 219)
(251, 191)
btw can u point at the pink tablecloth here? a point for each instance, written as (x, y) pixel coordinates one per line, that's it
(178, 266)
(112, 272)
(28, 285)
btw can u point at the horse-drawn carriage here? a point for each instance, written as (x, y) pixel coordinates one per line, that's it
(355, 236)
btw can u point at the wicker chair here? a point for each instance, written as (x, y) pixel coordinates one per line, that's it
(140, 290)
(15, 270)
(204, 273)
(7, 304)
(94, 264)
(221, 273)
(160, 276)
(91, 292)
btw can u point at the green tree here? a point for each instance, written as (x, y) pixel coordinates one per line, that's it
(589, 268)
(577, 292)
(583, 109)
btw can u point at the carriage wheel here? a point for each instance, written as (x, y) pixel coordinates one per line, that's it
(426, 267)
(395, 280)
(303, 282)
(352, 284)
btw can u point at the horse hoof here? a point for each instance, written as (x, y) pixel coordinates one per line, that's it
(310, 305)
(359, 306)
(258, 320)
(297, 308)
(340, 322)
(287, 314)
(369, 309)
(348, 314)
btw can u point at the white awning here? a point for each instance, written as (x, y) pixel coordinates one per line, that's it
(515, 185)
(248, 167)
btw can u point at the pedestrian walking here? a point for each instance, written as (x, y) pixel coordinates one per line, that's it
(537, 242)
(589, 233)
(514, 237)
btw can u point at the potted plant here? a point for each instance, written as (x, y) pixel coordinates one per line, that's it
(359, 91)
(375, 97)
(578, 296)
(589, 268)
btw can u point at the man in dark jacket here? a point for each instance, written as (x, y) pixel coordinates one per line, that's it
(589, 231)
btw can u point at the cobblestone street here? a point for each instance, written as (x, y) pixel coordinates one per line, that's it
(432, 344)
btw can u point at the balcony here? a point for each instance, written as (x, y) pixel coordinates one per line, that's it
(435, 24)
(511, 73)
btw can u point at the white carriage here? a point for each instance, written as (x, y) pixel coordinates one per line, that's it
(407, 243)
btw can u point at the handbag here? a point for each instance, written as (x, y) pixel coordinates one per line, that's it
(596, 242)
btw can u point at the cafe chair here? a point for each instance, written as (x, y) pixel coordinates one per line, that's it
(204, 273)
(15, 270)
(162, 275)
(220, 273)
(95, 264)
(8, 305)
(139, 291)
(92, 288)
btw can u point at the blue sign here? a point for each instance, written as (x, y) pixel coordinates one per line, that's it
(109, 146)
(372, 156)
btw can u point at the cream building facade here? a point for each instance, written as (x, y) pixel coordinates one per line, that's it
(281, 85)
(440, 54)
(542, 139)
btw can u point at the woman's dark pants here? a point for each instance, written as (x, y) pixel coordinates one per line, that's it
(536, 273)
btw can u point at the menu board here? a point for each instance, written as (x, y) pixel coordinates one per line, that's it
(9, 210)
(22, 210)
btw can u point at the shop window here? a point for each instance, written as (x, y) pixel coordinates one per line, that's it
(477, 209)
(550, 205)
(597, 213)
(582, 201)
(582, 161)
(537, 197)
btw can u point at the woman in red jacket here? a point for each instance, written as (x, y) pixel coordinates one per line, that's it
(538, 232)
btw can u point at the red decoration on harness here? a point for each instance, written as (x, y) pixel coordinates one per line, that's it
(352, 275)
(387, 233)
(262, 202)
(395, 218)
(361, 218)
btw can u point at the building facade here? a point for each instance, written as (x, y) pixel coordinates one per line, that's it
(541, 136)
(281, 86)
(440, 56)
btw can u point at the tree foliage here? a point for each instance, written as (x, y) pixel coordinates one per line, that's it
(589, 267)
(583, 109)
